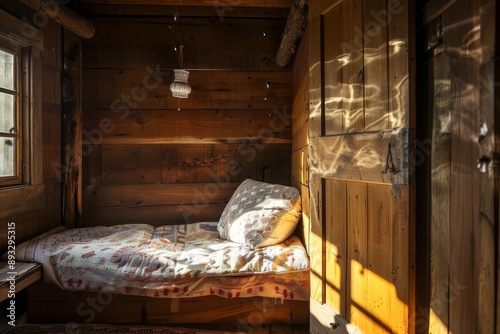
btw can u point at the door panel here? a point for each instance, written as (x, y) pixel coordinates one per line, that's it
(361, 187)
(336, 244)
(359, 260)
(357, 296)
(340, 68)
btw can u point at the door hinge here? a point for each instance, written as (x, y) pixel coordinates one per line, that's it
(399, 156)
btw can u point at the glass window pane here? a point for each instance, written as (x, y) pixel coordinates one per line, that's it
(7, 70)
(7, 113)
(7, 156)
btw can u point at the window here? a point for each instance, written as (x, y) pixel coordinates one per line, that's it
(21, 160)
(10, 117)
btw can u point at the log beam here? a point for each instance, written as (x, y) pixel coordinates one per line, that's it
(72, 130)
(295, 24)
(68, 18)
(220, 6)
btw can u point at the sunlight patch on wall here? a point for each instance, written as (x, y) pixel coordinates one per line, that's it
(436, 326)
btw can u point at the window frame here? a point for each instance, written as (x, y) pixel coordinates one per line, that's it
(29, 194)
(19, 78)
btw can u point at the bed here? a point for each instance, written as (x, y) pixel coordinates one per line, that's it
(250, 258)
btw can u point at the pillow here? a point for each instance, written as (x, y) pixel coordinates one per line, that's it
(260, 214)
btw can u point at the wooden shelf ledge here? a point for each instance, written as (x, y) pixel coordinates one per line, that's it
(26, 273)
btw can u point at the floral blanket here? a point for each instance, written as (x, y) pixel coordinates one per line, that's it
(141, 259)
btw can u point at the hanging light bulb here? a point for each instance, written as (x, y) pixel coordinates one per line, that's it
(180, 87)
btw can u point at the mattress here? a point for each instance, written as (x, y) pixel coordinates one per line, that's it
(179, 261)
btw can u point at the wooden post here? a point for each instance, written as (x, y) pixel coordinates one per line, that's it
(72, 130)
(68, 18)
(295, 25)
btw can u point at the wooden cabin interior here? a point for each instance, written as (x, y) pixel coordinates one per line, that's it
(381, 112)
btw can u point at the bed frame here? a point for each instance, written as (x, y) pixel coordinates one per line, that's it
(47, 303)
(86, 307)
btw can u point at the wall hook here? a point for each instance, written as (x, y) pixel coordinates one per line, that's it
(389, 163)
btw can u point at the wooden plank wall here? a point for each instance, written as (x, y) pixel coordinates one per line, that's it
(33, 222)
(149, 157)
(488, 249)
(462, 226)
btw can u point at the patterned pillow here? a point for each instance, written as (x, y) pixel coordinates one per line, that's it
(260, 214)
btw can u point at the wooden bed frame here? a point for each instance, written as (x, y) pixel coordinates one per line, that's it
(47, 303)
(87, 307)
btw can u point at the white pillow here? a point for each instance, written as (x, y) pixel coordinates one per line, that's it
(260, 214)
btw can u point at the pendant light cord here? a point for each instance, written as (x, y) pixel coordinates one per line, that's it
(176, 41)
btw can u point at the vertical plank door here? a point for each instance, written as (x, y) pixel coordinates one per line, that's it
(361, 125)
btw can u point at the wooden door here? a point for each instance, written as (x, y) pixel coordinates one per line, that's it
(458, 216)
(360, 133)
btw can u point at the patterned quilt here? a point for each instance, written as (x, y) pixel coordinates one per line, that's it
(142, 259)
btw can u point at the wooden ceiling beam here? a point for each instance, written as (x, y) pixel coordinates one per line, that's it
(295, 25)
(222, 4)
(68, 18)
(212, 12)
